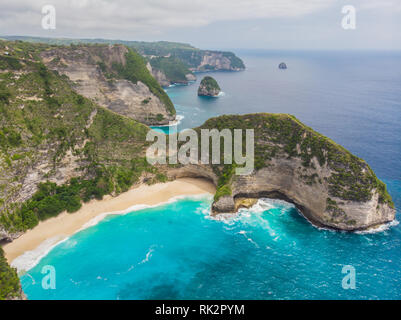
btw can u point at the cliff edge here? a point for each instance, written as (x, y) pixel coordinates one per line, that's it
(115, 77)
(329, 185)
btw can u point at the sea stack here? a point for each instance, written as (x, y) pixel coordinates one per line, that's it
(282, 65)
(208, 87)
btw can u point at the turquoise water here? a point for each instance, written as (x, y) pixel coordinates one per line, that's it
(176, 251)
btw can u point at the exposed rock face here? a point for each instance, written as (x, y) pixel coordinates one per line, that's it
(208, 87)
(165, 82)
(159, 76)
(193, 171)
(83, 65)
(281, 180)
(215, 60)
(9, 236)
(282, 65)
(329, 185)
(190, 77)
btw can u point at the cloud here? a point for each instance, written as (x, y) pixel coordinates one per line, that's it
(90, 17)
(394, 5)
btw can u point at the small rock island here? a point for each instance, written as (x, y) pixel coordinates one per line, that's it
(282, 65)
(209, 87)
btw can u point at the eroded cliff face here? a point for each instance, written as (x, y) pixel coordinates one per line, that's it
(159, 76)
(90, 68)
(330, 186)
(216, 61)
(179, 68)
(40, 155)
(284, 179)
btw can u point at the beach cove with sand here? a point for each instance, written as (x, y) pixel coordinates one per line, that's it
(58, 228)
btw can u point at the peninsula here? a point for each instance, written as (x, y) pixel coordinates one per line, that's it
(73, 130)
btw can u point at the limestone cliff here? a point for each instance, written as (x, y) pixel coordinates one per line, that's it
(50, 136)
(217, 60)
(102, 73)
(330, 186)
(172, 62)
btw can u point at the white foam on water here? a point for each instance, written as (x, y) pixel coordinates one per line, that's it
(30, 259)
(176, 122)
(379, 228)
(148, 255)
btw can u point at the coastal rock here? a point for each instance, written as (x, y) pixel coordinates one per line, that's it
(208, 87)
(331, 187)
(159, 76)
(9, 236)
(217, 60)
(190, 77)
(244, 203)
(282, 65)
(225, 204)
(91, 69)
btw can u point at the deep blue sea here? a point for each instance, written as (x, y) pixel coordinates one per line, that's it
(176, 251)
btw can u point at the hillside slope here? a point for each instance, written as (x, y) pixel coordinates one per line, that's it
(48, 132)
(172, 62)
(113, 76)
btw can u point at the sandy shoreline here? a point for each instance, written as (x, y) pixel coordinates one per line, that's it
(67, 224)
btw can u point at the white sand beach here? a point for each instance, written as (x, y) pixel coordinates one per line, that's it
(67, 224)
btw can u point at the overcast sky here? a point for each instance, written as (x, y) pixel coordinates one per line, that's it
(214, 24)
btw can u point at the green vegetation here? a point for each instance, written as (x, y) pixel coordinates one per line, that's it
(9, 63)
(5, 94)
(50, 199)
(9, 282)
(22, 53)
(282, 135)
(235, 61)
(42, 112)
(210, 83)
(208, 86)
(190, 56)
(135, 70)
(174, 69)
(146, 101)
(45, 124)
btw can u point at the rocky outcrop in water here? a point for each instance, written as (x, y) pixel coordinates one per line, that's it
(282, 65)
(208, 87)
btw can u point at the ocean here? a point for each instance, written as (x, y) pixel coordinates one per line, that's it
(176, 251)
